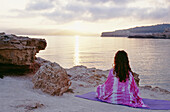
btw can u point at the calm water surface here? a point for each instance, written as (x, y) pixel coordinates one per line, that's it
(148, 57)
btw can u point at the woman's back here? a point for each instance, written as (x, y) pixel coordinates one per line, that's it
(120, 86)
(114, 91)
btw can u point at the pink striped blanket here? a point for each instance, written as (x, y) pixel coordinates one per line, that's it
(114, 91)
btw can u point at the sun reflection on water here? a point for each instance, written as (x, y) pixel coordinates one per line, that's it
(76, 51)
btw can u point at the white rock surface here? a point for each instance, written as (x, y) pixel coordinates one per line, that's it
(81, 76)
(52, 79)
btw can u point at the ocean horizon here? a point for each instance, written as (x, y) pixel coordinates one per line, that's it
(148, 57)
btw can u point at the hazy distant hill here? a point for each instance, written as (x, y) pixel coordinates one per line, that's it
(160, 28)
(150, 29)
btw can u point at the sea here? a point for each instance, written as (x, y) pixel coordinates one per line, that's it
(150, 58)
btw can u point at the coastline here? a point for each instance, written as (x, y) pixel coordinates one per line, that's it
(32, 90)
(159, 31)
(17, 94)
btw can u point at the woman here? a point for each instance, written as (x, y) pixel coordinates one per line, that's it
(120, 86)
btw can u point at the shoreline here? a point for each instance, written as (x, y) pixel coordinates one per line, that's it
(18, 95)
(33, 91)
(85, 70)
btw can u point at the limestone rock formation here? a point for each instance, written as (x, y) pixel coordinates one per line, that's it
(51, 78)
(155, 89)
(86, 77)
(17, 53)
(90, 77)
(19, 50)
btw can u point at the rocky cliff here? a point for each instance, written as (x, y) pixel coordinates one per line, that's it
(17, 53)
(140, 31)
(164, 35)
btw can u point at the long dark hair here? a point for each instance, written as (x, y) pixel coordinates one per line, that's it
(121, 65)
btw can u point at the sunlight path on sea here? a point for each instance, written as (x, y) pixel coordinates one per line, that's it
(76, 51)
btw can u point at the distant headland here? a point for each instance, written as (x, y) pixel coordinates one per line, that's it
(160, 31)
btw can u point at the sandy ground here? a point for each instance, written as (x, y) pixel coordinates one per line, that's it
(17, 95)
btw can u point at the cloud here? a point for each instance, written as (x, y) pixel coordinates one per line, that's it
(88, 12)
(95, 10)
(122, 2)
(40, 5)
(154, 14)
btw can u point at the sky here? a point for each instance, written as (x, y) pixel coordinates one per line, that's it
(79, 17)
